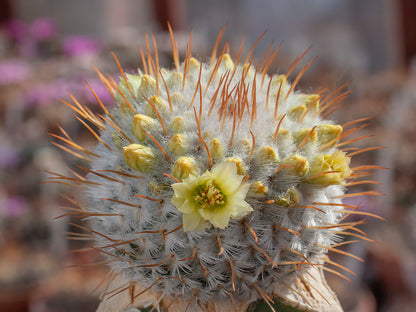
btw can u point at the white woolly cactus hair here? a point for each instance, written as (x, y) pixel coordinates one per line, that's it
(213, 182)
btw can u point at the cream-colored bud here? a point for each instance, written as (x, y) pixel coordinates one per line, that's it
(134, 82)
(289, 199)
(193, 65)
(175, 80)
(258, 188)
(184, 167)
(159, 104)
(177, 145)
(301, 134)
(227, 62)
(300, 165)
(328, 133)
(241, 167)
(147, 87)
(141, 124)
(312, 99)
(177, 99)
(216, 148)
(277, 81)
(177, 125)
(139, 157)
(283, 135)
(296, 112)
(248, 70)
(244, 146)
(125, 108)
(266, 155)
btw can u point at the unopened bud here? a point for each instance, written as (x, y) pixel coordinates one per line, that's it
(177, 125)
(328, 133)
(216, 149)
(158, 103)
(258, 188)
(301, 134)
(142, 124)
(175, 80)
(139, 157)
(226, 62)
(266, 155)
(177, 145)
(241, 167)
(184, 167)
(288, 199)
(147, 87)
(299, 165)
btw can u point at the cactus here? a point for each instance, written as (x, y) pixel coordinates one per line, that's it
(213, 185)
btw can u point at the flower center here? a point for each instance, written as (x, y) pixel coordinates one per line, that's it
(209, 195)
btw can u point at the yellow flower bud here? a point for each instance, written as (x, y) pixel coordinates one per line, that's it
(303, 133)
(147, 87)
(177, 145)
(194, 65)
(124, 107)
(133, 84)
(177, 99)
(244, 146)
(226, 62)
(266, 155)
(177, 125)
(283, 135)
(312, 99)
(248, 69)
(296, 112)
(241, 167)
(288, 199)
(328, 133)
(281, 79)
(175, 80)
(184, 167)
(216, 149)
(300, 165)
(139, 157)
(258, 188)
(322, 165)
(141, 124)
(160, 105)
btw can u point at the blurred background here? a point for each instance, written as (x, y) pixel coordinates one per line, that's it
(48, 48)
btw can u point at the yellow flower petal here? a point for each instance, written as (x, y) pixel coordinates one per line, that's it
(226, 177)
(191, 221)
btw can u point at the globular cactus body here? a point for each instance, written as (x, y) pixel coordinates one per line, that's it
(214, 182)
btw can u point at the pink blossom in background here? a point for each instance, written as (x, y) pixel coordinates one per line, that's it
(15, 29)
(13, 71)
(14, 206)
(43, 29)
(80, 45)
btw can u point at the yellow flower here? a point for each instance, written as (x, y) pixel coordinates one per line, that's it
(328, 169)
(216, 196)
